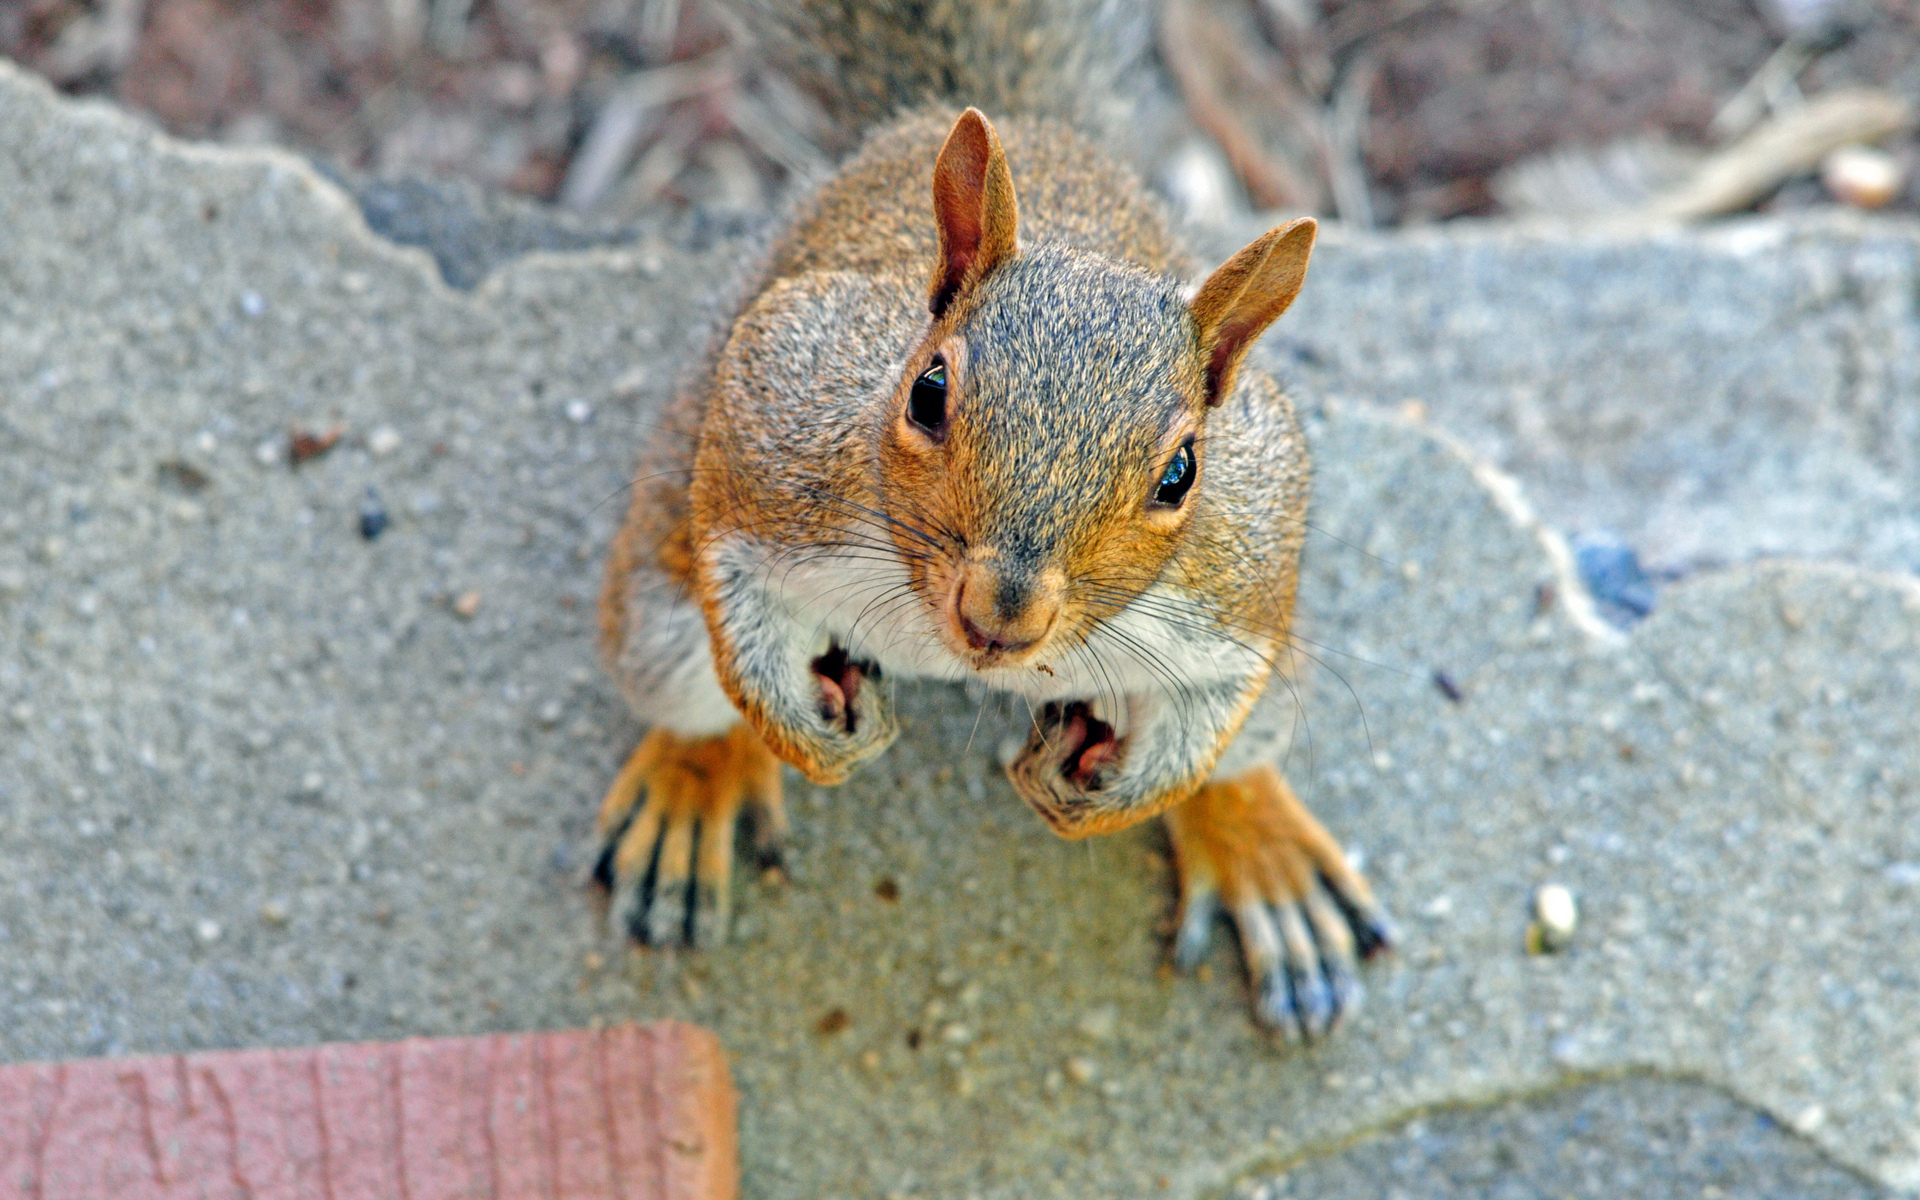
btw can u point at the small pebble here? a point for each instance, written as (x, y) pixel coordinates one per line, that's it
(274, 913)
(1081, 1070)
(252, 303)
(305, 444)
(1862, 176)
(833, 1022)
(1555, 916)
(312, 785)
(207, 931)
(1899, 874)
(183, 476)
(373, 516)
(1810, 1118)
(467, 605)
(384, 440)
(267, 454)
(1611, 570)
(579, 412)
(549, 714)
(956, 1034)
(1100, 1024)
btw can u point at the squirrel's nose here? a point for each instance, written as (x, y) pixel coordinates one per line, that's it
(999, 615)
(992, 642)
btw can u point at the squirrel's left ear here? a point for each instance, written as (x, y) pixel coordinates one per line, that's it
(1237, 302)
(973, 209)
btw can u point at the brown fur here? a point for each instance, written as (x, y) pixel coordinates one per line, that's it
(1252, 839)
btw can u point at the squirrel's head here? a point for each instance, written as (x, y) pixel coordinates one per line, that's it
(1045, 451)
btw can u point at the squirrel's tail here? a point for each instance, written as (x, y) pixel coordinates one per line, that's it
(865, 60)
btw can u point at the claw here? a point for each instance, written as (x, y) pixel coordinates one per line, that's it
(1373, 930)
(709, 916)
(1345, 987)
(1313, 1003)
(1202, 904)
(602, 873)
(666, 919)
(839, 678)
(1275, 1007)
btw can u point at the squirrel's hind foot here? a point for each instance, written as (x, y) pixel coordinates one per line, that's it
(666, 833)
(1305, 917)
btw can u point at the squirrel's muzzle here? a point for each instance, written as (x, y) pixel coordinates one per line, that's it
(1002, 617)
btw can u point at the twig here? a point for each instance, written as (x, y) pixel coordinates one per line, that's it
(447, 25)
(104, 40)
(1358, 22)
(1769, 89)
(772, 136)
(1269, 182)
(1346, 133)
(1790, 144)
(661, 164)
(659, 21)
(629, 116)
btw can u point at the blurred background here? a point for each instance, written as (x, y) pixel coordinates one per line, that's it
(1383, 112)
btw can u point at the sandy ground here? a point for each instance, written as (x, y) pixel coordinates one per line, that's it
(262, 783)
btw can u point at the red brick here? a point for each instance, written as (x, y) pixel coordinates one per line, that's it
(630, 1113)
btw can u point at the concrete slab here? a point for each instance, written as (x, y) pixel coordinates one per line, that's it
(1652, 1139)
(264, 784)
(1711, 395)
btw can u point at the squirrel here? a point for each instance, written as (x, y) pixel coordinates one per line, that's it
(969, 422)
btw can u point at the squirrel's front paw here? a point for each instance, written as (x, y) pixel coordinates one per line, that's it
(1305, 917)
(854, 719)
(666, 832)
(1062, 771)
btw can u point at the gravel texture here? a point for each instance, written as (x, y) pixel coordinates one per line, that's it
(265, 781)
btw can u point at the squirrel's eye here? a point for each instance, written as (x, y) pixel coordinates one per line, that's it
(927, 403)
(1177, 479)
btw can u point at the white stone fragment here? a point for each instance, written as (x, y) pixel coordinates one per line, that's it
(1862, 176)
(1555, 915)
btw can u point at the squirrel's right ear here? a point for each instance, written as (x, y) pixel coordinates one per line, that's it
(973, 209)
(1237, 302)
